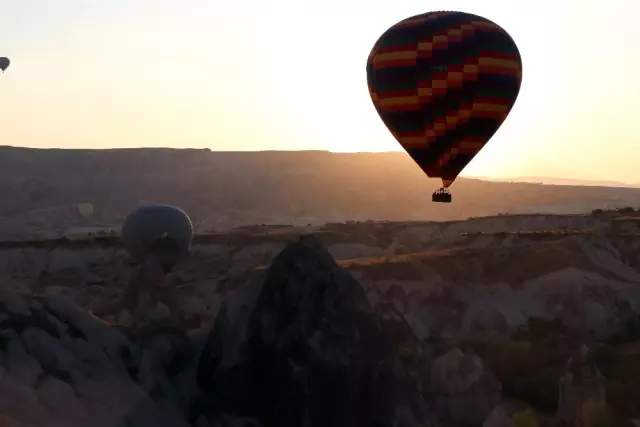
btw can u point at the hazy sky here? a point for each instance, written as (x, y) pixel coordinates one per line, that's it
(290, 74)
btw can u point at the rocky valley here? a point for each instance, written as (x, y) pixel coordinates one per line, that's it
(504, 320)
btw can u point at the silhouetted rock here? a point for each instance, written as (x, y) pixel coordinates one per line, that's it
(307, 350)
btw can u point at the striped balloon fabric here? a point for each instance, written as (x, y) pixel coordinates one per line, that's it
(443, 83)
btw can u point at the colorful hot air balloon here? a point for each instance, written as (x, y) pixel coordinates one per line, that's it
(4, 63)
(443, 83)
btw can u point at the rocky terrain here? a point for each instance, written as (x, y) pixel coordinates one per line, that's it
(506, 320)
(50, 193)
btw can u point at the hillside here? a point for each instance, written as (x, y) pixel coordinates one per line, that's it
(561, 181)
(523, 291)
(223, 190)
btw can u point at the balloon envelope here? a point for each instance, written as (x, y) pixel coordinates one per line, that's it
(151, 230)
(443, 83)
(4, 63)
(85, 209)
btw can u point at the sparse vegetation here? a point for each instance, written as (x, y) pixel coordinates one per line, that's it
(535, 233)
(626, 210)
(595, 414)
(622, 372)
(630, 331)
(527, 370)
(526, 418)
(530, 366)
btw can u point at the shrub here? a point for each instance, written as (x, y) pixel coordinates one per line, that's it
(605, 357)
(526, 418)
(527, 371)
(631, 329)
(595, 414)
(629, 332)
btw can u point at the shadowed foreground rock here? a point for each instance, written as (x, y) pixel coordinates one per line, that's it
(60, 366)
(303, 347)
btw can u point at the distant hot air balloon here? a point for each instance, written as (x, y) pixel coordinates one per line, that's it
(161, 231)
(85, 209)
(443, 83)
(4, 63)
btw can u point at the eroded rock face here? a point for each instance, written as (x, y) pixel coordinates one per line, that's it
(581, 382)
(299, 345)
(463, 389)
(150, 298)
(308, 350)
(501, 280)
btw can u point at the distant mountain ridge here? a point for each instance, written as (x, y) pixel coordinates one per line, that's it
(49, 154)
(547, 180)
(222, 190)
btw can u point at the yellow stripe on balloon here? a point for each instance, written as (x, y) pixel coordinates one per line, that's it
(405, 55)
(398, 101)
(498, 62)
(413, 141)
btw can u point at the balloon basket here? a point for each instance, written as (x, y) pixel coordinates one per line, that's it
(441, 196)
